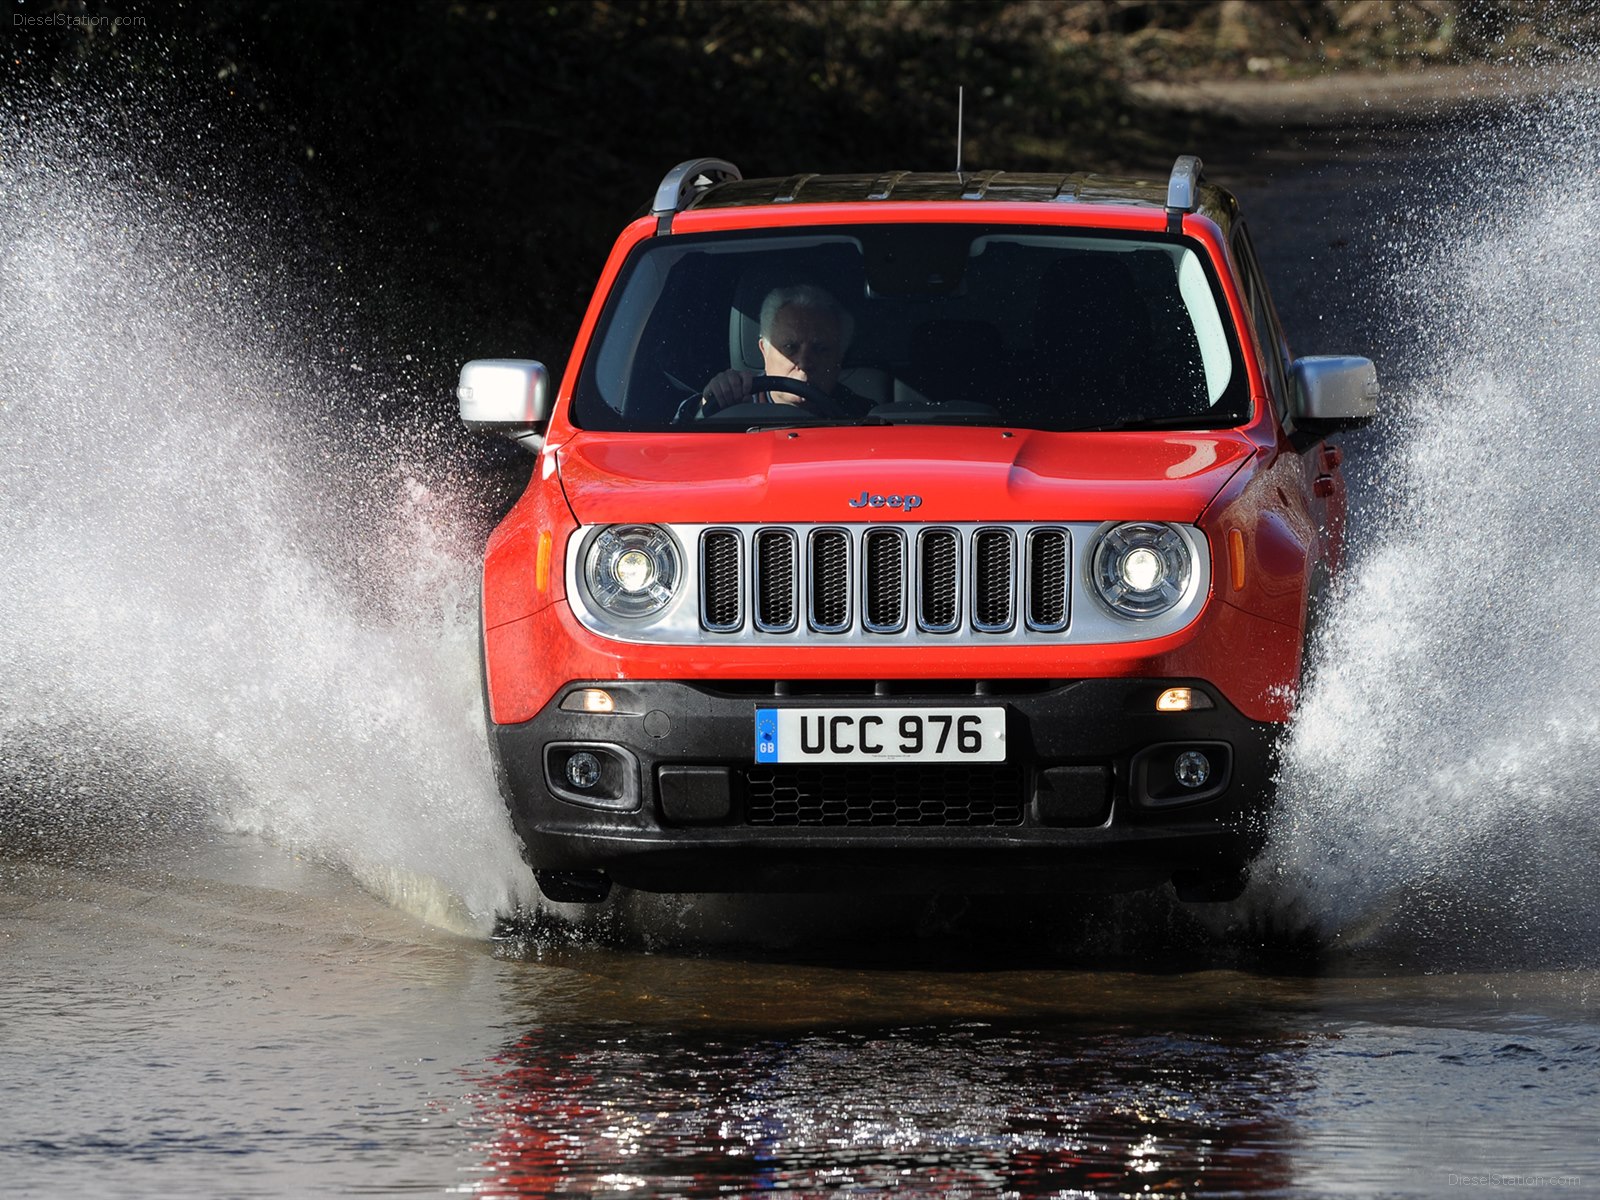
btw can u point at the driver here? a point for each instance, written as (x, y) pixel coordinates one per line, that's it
(804, 335)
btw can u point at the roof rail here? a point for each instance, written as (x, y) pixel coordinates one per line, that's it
(1183, 190)
(683, 183)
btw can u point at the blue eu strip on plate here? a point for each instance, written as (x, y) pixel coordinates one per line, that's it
(766, 735)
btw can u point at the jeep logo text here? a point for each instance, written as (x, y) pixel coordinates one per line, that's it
(868, 500)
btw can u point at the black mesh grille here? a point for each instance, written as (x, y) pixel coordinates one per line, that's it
(1047, 579)
(941, 588)
(720, 604)
(830, 580)
(886, 579)
(877, 580)
(896, 794)
(775, 579)
(991, 601)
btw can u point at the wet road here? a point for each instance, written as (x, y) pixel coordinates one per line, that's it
(187, 1008)
(239, 1023)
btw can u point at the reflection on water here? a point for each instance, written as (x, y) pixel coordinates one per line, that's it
(1116, 1083)
(970, 1109)
(226, 1020)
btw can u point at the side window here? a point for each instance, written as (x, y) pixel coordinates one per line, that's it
(1269, 335)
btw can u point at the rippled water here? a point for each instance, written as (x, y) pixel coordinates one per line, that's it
(250, 852)
(240, 1023)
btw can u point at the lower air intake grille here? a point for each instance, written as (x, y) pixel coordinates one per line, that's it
(902, 794)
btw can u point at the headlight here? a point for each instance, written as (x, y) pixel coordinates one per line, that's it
(632, 570)
(1142, 570)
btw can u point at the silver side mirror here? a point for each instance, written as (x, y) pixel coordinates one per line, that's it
(509, 395)
(1335, 391)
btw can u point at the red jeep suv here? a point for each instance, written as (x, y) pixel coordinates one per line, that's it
(911, 532)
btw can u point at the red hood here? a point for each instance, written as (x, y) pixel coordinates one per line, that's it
(954, 474)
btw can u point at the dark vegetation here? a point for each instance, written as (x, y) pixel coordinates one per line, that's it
(461, 167)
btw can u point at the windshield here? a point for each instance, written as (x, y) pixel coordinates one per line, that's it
(923, 324)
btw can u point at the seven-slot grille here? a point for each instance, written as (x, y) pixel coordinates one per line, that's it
(883, 579)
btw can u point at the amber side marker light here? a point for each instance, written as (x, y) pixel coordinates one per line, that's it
(1182, 699)
(589, 700)
(1236, 557)
(541, 566)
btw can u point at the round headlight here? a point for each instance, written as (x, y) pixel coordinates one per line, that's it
(632, 570)
(1142, 570)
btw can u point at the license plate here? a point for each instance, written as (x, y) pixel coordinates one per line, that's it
(791, 735)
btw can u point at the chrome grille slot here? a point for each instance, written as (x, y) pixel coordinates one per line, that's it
(883, 589)
(939, 580)
(993, 554)
(777, 580)
(1049, 579)
(829, 564)
(721, 604)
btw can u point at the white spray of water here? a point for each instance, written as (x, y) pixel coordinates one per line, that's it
(210, 602)
(1443, 775)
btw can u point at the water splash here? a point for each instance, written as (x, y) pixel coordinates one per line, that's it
(1440, 784)
(229, 601)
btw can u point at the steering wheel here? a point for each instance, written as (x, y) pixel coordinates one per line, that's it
(808, 392)
(751, 409)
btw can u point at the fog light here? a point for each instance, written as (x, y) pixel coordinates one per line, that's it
(1192, 769)
(583, 770)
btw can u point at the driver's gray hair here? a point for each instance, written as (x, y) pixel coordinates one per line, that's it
(807, 295)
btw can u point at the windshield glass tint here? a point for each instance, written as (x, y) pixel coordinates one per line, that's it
(960, 324)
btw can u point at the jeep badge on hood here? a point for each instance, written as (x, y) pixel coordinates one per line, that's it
(871, 500)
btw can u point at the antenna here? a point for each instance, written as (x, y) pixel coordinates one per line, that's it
(961, 100)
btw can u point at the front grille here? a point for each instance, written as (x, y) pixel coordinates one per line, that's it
(777, 570)
(830, 581)
(719, 581)
(1048, 579)
(947, 795)
(992, 583)
(884, 587)
(939, 606)
(882, 579)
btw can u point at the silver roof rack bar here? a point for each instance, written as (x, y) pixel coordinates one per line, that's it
(977, 186)
(791, 188)
(683, 183)
(884, 184)
(1183, 190)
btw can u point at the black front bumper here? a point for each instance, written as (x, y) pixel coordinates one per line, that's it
(1087, 800)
